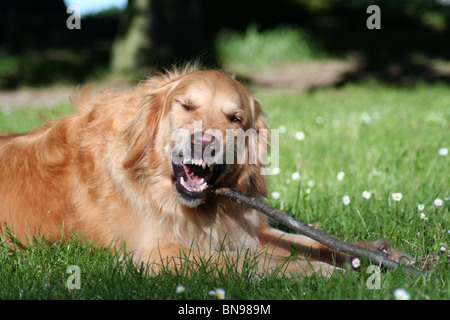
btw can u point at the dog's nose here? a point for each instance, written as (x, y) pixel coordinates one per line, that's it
(204, 139)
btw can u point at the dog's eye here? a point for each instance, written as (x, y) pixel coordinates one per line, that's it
(186, 107)
(235, 119)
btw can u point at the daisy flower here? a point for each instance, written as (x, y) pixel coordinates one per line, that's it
(423, 216)
(346, 200)
(356, 263)
(296, 176)
(276, 170)
(420, 207)
(366, 118)
(219, 293)
(376, 172)
(180, 289)
(397, 196)
(275, 195)
(340, 176)
(300, 136)
(438, 202)
(401, 294)
(366, 194)
(443, 249)
(443, 152)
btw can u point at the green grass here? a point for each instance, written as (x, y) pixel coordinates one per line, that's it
(26, 119)
(385, 140)
(257, 50)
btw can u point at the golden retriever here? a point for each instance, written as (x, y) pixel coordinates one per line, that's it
(116, 172)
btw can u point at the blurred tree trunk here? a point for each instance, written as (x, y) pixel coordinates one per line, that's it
(157, 32)
(133, 41)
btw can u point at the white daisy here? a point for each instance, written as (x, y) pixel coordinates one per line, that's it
(401, 294)
(275, 195)
(420, 207)
(443, 152)
(276, 170)
(296, 176)
(356, 263)
(346, 200)
(340, 176)
(366, 194)
(376, 172)
(180, 289)
(438, 202)
(300, 136)
(397, 196)
(219, 293)
(366, 118)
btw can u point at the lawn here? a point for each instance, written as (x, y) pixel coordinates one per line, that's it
(334, 143)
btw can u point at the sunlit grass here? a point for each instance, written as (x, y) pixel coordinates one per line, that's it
(258, 49)
(26, 119)
(372, 139)
(359, 139)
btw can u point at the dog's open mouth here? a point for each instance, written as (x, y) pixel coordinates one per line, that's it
(194, 178)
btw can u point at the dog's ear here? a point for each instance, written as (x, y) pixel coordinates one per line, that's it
(263, 132)
(141, 133)
(252, 179)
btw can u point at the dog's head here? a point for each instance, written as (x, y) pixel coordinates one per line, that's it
(206, 130)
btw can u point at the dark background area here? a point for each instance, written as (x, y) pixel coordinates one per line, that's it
(37, 49)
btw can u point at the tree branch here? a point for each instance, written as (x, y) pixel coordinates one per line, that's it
(318, 235)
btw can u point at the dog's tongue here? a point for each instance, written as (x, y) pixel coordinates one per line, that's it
(193, 182)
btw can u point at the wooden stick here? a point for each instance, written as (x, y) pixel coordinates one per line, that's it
(318, 235)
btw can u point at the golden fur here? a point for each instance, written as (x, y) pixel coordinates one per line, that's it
(106, 172)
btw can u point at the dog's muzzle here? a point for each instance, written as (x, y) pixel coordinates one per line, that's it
(195, 168)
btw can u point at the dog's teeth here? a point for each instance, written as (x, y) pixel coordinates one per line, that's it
(186, 160)
(202, 180)
(182, 182)
(203, 186)
(204, 165)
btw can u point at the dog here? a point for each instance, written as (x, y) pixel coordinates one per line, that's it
(123, 170)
